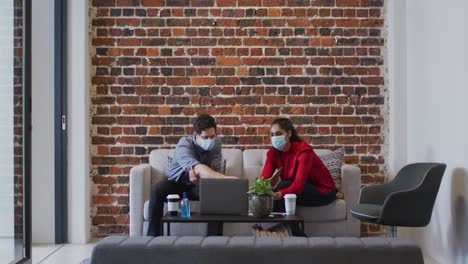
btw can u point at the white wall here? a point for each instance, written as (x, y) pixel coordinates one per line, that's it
(78, 123)
(396, 59)
(42, 90)
(42, 122)
(6, 124)
(433, 51)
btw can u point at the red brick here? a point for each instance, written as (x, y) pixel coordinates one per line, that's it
(226, 3)
(274, 12)
(152, 3)
(322, 120)
(125, 22)
(372, 80)
(348, 23)
(349, 120)
(178, 81)
(348, 3)
(97, 220)
(372, 23)
(103, 3)
(203, 81)
(99, 199)
(273, 100)
(228, 61)
(299, 22)
(104, 180)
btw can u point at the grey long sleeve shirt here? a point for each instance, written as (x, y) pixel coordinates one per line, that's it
(188, 154)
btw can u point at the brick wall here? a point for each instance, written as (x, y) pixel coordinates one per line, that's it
(158, 63)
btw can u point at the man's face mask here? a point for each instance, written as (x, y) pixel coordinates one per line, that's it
(207, 144)
(207, 139)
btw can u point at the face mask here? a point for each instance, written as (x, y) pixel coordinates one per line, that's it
(278, 142)
(207, 144)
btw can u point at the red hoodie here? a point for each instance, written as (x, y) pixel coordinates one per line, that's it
(300, 165)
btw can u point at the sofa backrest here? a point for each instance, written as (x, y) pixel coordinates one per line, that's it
(254, 160)
(158, 160)
(234, 162)
(253, 250)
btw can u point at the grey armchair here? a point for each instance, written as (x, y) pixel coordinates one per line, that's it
(407, 200)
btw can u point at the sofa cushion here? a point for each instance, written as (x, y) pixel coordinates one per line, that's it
(322, 152)
(234, 162)
(333, 161)
(335, 211)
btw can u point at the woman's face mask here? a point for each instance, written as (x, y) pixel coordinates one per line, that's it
(278, 142)
(279, 137)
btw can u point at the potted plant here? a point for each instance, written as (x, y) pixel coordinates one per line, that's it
(261, 198)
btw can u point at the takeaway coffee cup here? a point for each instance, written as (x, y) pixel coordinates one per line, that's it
(290, 204)
(173, 204)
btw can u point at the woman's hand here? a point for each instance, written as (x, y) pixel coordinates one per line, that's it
(277, 195)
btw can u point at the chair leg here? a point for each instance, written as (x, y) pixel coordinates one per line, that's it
(393, 231)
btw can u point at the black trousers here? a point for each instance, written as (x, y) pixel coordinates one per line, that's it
(309, 197)
(159, 194)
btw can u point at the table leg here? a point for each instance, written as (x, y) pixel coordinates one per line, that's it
(168, 228)
(214, 229)
(302, 227)
(161, 228)
(220, 228)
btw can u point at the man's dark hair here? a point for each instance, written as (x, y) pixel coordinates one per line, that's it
(287, 126)
(203, 122)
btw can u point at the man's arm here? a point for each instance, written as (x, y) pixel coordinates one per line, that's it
(216, 156)
(185, 155)
(203, 171)
(214, 170)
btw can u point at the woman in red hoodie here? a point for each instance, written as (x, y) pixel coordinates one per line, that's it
(302, 171)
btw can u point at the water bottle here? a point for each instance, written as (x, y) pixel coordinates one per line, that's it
(185, 206)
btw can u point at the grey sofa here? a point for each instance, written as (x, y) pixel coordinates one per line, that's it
(331, 220)
(251, 250)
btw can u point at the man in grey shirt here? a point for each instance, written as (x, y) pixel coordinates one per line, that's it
(197, 156)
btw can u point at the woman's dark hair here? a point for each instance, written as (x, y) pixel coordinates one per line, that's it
(203, 122)
(286, 125)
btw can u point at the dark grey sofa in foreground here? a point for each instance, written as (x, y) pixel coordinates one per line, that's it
(251, 250)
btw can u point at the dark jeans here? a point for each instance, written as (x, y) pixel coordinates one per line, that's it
(159, 194)
(309, 197)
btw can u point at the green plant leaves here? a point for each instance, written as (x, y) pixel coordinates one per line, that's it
(261, 187)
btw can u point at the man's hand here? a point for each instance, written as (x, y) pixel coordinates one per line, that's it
(203, 171)
(193, 176)
(277, 195)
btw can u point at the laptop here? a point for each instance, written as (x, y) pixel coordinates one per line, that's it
(224, 196)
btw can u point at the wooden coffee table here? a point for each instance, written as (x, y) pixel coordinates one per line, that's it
(221, 219)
